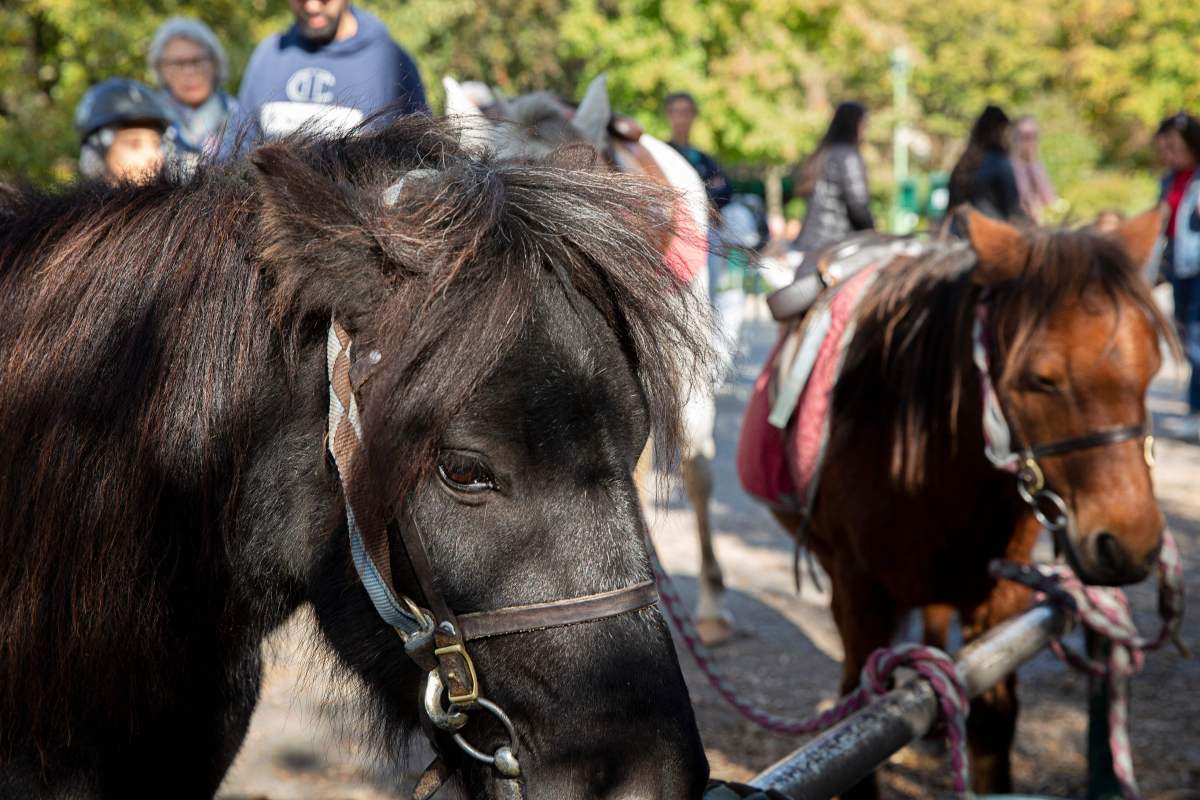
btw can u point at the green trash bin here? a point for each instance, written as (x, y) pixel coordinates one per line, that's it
(937, 202)
(907, 206)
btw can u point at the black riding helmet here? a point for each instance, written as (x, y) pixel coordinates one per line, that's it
(107, 106)
(118, 101)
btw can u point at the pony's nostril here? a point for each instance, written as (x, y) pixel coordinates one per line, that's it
(1111, 553)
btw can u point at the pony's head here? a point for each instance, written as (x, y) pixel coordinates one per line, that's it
(532, 125)
(516, 339)
(1076, 341)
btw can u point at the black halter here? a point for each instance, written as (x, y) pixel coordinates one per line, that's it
(1059, 447)
(1047, 505)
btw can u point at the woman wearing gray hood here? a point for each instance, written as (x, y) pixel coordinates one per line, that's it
(190, 65)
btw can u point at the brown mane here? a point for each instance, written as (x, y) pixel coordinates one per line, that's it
(910, 360)
(154, 336)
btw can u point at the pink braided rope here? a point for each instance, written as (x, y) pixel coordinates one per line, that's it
(1106, 611)
(929, 662)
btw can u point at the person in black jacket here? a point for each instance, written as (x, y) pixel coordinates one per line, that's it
(983, 176)
(834, 179)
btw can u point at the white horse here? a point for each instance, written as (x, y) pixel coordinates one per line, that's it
(532, 125)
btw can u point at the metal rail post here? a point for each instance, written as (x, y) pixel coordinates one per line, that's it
(836, 760)
(1102, 780)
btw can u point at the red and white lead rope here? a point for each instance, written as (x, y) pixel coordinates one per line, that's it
(929, 662)
(1106, 611)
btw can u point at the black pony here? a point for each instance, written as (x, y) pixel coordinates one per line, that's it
(166, 498)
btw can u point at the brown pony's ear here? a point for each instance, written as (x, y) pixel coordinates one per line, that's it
(1139, 235)
(314, 241)
(1002, 249)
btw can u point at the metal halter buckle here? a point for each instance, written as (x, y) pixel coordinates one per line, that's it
(472, 696)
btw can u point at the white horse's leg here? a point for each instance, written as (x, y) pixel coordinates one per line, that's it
(714, 623)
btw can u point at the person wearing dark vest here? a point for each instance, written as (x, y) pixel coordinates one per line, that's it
(834, 179)
(331, 70)
(681, 110)
(984, 176)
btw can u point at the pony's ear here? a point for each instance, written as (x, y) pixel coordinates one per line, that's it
(314, 242)
(1003, 250)
(1139, 235)
(594, 112)
(502, 108)
(464, 116)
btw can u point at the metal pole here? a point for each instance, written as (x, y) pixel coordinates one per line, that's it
(901, 66)
(836, 760)
(1102, 780)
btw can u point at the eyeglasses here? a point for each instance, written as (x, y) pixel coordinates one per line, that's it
(179, 66)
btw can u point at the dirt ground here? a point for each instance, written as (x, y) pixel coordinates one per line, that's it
(303, 742)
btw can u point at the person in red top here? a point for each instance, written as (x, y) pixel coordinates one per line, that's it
(1178, 142)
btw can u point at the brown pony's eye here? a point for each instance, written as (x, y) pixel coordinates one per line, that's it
(465, 472)
(1041, 383)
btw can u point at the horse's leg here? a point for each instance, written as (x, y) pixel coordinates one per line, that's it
(714, 623)
(866, 618)
(992, 723)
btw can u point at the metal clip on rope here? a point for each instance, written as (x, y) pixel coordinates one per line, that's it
(451, 719)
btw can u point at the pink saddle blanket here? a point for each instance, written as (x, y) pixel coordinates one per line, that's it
(781, 466)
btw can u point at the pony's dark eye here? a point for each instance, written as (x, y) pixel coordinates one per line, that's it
(1041, 383)
(465, 472)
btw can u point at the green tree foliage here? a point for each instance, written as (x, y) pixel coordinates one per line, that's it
(1099, 73)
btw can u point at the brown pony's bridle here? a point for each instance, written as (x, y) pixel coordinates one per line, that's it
(1031, 480)
(436, 638)
(1048, 506)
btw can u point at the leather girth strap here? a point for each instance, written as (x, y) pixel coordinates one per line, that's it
(434, 639)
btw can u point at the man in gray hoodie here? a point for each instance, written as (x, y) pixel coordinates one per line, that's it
(332, 69)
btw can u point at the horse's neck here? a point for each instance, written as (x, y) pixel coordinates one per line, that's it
(630, 156)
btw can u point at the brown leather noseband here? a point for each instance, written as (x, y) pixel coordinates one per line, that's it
(435, 637)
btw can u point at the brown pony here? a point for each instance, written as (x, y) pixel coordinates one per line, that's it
(167, 497)
(909, 511)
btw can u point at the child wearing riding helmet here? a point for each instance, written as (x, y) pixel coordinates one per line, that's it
(121, 125)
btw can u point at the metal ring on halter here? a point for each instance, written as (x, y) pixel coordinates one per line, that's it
(1148, 450)
(1030, 479)
(449, 719)
(1060, 505)
(505, 757)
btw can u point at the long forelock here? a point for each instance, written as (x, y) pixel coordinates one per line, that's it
(471, 257)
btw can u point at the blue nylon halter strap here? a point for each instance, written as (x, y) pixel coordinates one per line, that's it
(344, 438)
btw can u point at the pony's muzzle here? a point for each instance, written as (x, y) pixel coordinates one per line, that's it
(1113, 563)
